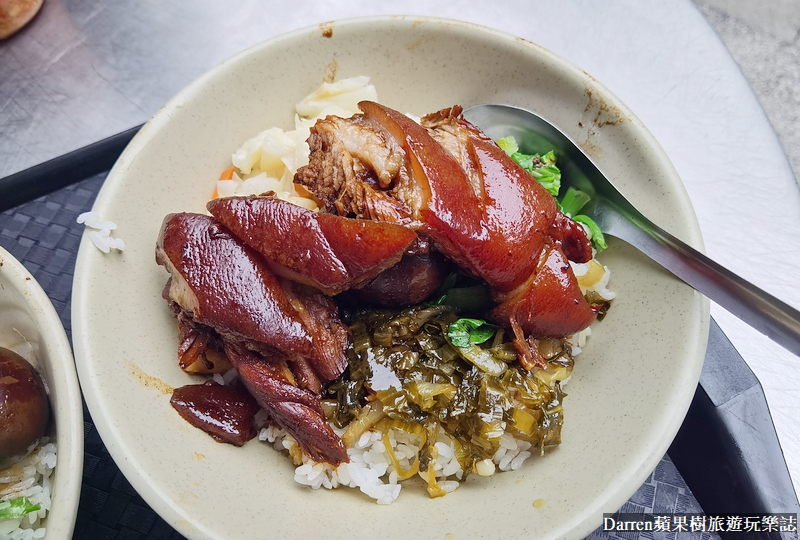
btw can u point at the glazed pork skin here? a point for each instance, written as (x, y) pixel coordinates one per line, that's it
(296, 410)
(224, 412)
(221, 283)
(281, 337)
(328, 252)
(478, 207)
(224, 284)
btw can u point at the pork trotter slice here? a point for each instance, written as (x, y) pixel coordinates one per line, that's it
(222, 283)
(294, 409)
(328, 252)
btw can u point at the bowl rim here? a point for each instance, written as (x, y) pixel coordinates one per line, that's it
(63, 380)
(584, 523)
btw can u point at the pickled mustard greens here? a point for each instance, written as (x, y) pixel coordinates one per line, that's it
(407, 371)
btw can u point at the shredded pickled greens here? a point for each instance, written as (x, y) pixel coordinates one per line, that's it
(406, 371)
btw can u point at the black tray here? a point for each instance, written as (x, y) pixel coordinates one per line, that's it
(725, 459)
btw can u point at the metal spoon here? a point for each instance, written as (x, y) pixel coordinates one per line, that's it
(616, 216)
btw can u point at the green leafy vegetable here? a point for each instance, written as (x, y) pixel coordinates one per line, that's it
(475, 299)
(596, 235)
(543, 168)
(462, 293)
(466, 332)
(571, 204)
(508, 145)
(16, 508)
(573, 201)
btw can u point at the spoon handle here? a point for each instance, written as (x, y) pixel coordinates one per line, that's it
(616, 216)
(767, 314)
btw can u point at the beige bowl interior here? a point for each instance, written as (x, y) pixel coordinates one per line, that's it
(631, 387)
(27, 315)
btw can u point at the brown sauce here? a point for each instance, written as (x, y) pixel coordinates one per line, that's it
(224, 412)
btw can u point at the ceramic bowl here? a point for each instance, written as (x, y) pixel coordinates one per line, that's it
(632, 384)
(30, 325)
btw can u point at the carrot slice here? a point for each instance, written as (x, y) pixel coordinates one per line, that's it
(227, 174)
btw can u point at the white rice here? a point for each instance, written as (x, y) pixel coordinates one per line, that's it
(593, 277)
(589, 280)
(268, 161)
(29, 478)
(370, 468)
(101, 235)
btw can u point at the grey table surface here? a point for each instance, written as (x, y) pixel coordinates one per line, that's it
(764, 39)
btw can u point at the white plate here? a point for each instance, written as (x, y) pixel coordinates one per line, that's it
(632, 385)
(28, 321)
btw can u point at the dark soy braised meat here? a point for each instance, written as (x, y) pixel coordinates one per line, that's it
(222, 291)
(24, 407)
(549, 303)
(387, 262)
(326, 251)
(320, 317)
(411, 281)
(402, 201)
(551, 286)
(351, 163)
(473, 202)
(220, 282)
(200, 349)
(224, 412)
(296, 410)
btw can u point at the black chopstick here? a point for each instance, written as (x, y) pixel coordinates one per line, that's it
(32, 183)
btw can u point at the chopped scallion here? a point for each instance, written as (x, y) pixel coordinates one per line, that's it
(16, 508)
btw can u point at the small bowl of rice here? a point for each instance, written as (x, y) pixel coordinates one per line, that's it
(39, 493)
